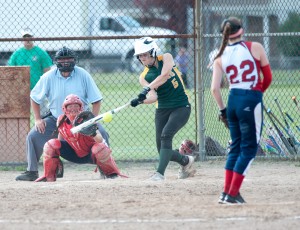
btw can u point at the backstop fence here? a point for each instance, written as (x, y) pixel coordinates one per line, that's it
(102, 33)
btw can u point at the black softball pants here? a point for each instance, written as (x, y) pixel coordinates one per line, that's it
(168, 122)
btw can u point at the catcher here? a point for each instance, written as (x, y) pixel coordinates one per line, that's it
(84, 147)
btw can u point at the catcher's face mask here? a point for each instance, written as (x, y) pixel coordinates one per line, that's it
(72, 106)
(73, 110)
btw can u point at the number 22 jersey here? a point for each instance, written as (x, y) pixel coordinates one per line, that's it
(241, 68)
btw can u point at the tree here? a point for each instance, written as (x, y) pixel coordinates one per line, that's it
(290, 46)
(175, 10)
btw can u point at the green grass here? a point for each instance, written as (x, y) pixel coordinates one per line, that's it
(13, 168)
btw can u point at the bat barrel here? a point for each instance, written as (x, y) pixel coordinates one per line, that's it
(95, 119)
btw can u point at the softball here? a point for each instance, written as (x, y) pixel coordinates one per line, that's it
(107, 117)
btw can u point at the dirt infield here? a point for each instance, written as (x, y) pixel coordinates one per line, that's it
(81, 201)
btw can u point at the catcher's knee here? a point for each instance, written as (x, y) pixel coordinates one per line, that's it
(51, 148)
(102, 156)
(101, 152)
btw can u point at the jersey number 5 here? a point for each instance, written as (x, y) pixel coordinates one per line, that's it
(247, 68)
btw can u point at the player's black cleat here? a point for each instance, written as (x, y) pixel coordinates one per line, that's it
(238, 199)
(103, 176)
(222, 198)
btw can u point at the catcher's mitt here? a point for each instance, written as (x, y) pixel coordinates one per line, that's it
(188, 147)
(83, 117)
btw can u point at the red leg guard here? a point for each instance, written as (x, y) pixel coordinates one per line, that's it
(228, 178)
(103, 158)
(51, 160)
(236, 183)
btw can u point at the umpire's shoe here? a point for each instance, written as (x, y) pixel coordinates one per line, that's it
(28, 176)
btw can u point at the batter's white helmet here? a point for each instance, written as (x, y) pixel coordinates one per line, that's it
(144, 45)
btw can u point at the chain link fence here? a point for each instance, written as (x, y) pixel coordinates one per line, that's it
(102, 34)
(274, 25)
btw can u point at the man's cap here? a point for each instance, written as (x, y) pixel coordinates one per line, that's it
(26, 32)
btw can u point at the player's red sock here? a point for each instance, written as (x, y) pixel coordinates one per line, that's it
(236, 183)
(228, 178)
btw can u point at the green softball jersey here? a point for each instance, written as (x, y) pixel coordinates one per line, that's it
(172, 93)
(36, 58)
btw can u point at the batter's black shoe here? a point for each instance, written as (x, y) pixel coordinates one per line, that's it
(222, 198)
(28, 176)
(238, 199)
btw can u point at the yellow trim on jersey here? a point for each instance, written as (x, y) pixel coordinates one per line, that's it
(175, 68)
(146, 69)
(160, 57)
(144, 73)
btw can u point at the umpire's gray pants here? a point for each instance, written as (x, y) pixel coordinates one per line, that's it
(35, 141)
(44, 109)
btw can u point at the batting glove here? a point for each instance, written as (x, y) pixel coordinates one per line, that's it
(143, 93)
(135, 102)
(223, 117)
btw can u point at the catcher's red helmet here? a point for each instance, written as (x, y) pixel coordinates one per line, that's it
(187, 147)
(72, 99)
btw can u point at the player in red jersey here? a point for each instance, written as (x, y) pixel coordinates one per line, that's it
(78, 148)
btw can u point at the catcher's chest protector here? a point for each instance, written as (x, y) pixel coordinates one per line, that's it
(80, 143)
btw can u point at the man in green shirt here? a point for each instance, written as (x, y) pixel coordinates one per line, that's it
(33, 56)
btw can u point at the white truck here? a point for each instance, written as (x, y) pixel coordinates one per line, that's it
(76, 18)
